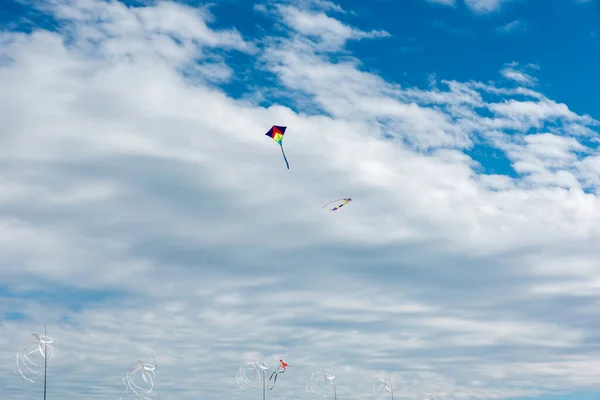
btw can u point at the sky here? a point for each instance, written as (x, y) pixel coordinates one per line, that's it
(144, 213)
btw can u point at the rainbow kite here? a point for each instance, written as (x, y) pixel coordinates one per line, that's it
(276, 133)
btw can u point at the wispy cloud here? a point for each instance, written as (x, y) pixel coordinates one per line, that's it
(451, 3)
(477, 6)
(119, 176)
(515, 72)
(327, 31)
(486, 6)
(511, 27)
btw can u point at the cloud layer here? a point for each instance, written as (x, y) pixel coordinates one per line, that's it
(466, 264)
(486, 7)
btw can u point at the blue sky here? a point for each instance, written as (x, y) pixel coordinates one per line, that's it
(431, 38)
(143, 212)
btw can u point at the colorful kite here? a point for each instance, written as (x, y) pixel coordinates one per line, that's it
(280, 370)
(276, 133)
(340, 205)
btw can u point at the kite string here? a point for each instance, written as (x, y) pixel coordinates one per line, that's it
(162, 329)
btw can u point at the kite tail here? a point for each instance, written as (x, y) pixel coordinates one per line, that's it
(274, 374)
(286, 161)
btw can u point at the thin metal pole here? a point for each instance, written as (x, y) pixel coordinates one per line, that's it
(45, 359)
(157, 378)
(264, 385)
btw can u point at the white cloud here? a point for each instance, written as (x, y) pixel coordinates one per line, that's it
(331, 33)
(451, 3)
(178, 34)
(477, 6)
(518, 76)
(486, 6)
(119, 173)
(483, 7)
(513, 26)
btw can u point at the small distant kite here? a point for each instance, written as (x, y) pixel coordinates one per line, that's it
(280, 370)
(42, 350)
(383, 386)
(322, 383)
(149, 374)
(341, 203)
(251, 373)
(276, 133)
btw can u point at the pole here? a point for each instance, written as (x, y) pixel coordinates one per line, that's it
(45, 359)
(264, 385)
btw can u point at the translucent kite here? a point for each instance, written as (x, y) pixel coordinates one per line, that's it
(252, 373)
(322, 383)
(340, 203)
(41, 348)
(276, 133)
(383, 386)
(149, 375)
(280, 370)
(34, 357)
